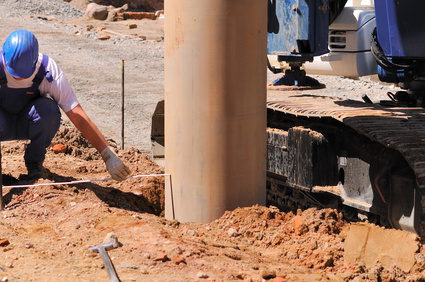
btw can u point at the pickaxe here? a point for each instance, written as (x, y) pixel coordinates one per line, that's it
(110, 242)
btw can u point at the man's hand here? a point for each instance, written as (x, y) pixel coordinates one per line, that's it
(116, 168)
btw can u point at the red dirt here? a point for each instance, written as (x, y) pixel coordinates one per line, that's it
(49, 229)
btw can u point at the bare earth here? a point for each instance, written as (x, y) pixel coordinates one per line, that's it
(48, 229)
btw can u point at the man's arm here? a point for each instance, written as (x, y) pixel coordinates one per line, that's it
(117, 169)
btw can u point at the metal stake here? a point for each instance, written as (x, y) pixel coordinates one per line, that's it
(122, 104)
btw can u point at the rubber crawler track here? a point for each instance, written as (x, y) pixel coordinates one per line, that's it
(401, 129)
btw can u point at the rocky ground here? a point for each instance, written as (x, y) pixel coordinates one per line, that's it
(47, 229)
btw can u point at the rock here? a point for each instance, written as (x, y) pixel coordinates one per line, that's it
(161, 257)
(144, 270)
(128, 266)
(59, 148)
(327, 261)
(104, 37)
(100, 12)
(97, 12)
(299, 225)
(232, 232)
(146, 5)
(4, 242)
(177, 259)
(268, 274)
(278, 279)
(202, 275)
(88, 27)
(146, 256)
(29, 245)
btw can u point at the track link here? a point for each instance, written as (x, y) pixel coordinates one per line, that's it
(396, 129)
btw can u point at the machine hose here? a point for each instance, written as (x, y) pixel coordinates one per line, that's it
(382, 60)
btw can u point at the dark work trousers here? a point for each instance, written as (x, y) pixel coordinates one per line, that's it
(38, 121)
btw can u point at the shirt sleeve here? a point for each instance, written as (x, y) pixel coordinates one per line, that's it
(59, 89)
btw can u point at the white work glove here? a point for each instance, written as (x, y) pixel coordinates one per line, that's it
(116, 168)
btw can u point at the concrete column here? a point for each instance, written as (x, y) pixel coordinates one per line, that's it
(215, 113)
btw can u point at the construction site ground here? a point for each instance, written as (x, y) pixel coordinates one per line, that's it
(47, 230)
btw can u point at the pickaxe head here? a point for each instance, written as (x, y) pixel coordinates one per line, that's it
(110, 242)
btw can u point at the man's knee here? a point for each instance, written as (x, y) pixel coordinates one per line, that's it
(44, 110)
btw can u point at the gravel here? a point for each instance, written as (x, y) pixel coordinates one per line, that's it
(94, 67)
(58, 8)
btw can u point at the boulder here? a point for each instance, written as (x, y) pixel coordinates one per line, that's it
(100, 12)
(145, 5)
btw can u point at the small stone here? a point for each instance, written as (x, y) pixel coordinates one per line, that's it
(88, 27)
(142, 37)
(105, 37)
(161, 257)
(4, 242)
(146, 256)
(177, 259)
(202, 275)
(128, 266)
(232, 232)
(82, 169)
(268, 274)
(29, 245)
(144, 270)
(132, 26)
(278, 279)
(59, 148)
(299, 226)
(5, 279)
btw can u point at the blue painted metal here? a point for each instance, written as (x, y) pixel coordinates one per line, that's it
(298, 29)
(391, 77)
(400, 27)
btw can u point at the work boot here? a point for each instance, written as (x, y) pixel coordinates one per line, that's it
(35, 170)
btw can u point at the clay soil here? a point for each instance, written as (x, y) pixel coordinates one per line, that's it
(47, 229)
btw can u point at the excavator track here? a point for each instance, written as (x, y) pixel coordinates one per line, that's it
(345, 143)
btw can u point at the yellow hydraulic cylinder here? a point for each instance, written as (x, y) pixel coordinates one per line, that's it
(215, 107)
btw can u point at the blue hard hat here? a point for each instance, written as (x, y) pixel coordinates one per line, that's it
(20, 53)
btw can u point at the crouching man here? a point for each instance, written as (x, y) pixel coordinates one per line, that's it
(31, 88)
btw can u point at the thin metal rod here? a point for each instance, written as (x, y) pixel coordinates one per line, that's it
(172, 197)
(79, 181)
(122, 104)
(113, 275)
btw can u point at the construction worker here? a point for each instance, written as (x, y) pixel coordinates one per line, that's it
(31, 88)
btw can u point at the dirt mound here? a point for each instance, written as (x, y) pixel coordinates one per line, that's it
(311, 239)
(75, 143)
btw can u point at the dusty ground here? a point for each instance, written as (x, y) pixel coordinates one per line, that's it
(48, 229)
